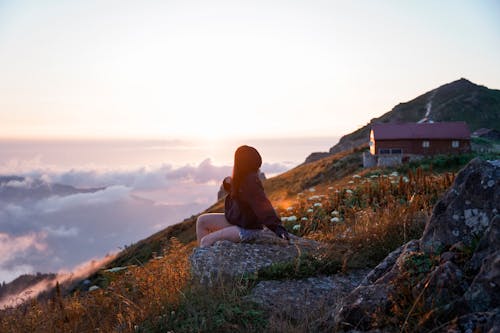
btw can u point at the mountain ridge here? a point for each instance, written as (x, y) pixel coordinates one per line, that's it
(460, 100)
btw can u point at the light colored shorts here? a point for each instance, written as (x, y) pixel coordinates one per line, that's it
(248, 235)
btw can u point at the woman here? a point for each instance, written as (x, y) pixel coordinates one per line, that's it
(246, 209)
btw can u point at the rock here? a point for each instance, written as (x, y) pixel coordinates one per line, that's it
(488, 245)
(453, 271)
(475, 322)
(229, 261)
(299, 298)
(357, 310)
(466, 210)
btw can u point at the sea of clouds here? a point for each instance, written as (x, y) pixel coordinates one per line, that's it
(61, 233)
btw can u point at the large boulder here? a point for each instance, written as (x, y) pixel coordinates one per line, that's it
(466, 210)
(225, 260)
(452, 272)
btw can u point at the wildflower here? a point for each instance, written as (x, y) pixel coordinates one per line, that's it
(405, 179)
(312, 189)
(394, 174)
(292, 218)
(290, 208)
(348, 191)
(356, 176)
(314, 197)
(296, 227)
(317, 204)
(304, 219)
(351, 182)
(335, 212)
(334, 220)
(310, 210)
(330, 188)
(374, 176)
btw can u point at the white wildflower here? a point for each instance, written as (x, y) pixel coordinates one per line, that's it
(317, 204)
(335, 220)
(356, 176)
(304, 219)
(296, 227)
(335, 212)
(290, 208)
(351, 182)
(310, 210)
(330, 188)
(312, 189)
(348, 191)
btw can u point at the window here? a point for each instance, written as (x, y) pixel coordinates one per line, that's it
(455, 144)
(426, 144)
(396, 151)
(384, 151)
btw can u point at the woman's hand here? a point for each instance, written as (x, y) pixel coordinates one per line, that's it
(282, 233)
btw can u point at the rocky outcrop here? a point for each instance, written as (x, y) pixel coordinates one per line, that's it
(452, 273)
(466, 210)
(225, 260)
(300, 298)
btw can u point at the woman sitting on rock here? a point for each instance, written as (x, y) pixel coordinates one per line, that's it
(246, 209)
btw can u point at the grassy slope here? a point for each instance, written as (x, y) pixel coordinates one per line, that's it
(279, 189)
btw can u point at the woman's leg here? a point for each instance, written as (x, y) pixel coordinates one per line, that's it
(231, 233)
(208, 223)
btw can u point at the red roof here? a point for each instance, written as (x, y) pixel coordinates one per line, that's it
(446, 130)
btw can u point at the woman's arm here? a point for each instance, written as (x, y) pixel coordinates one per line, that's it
(261, 206)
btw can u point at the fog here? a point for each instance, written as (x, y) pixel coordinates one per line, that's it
(47, 227)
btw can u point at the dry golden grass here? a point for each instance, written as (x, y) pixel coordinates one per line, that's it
(366, 216)
(133, 295)
(363, 217)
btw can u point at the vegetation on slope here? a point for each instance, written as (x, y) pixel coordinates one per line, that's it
(362, 217)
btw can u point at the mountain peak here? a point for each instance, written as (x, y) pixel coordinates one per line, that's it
(459, 100)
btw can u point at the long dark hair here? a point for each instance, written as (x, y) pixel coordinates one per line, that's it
(246, 160)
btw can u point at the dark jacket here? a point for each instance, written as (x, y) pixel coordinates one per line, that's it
(251, 209)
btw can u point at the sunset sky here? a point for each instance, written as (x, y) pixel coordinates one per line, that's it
(218, 69)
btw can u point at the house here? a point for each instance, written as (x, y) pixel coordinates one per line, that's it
(486, 133)
(392, 143)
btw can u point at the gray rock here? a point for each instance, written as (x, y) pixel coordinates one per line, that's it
(300, 298)
(475, 322)
(466, 210)
(225, 260)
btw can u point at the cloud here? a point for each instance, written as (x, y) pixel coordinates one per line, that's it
(102, 197)
(49, 232)
(14, 248)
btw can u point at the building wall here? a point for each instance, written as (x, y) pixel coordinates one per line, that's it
(415, 146)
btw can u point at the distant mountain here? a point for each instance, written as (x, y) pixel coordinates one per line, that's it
(459, 100)
(16, 189)
(21, 283)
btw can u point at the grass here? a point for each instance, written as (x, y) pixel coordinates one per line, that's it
(361, 217)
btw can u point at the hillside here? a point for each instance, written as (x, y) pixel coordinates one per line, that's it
(363, 215)
(459, 100)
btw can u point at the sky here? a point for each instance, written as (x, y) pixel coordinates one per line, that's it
(220, 69)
